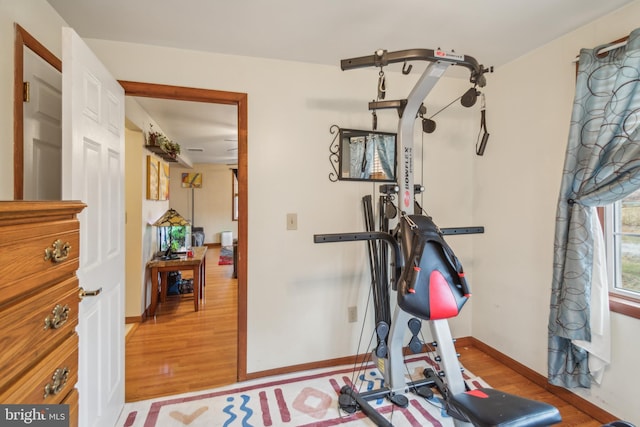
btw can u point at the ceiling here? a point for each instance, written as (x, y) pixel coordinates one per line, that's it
(493, 31)
(207, 133)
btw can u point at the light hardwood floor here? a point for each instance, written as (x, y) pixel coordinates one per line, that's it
(181, 350)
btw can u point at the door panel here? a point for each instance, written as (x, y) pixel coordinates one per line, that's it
(93, 171)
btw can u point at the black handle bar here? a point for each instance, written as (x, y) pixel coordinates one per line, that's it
(366, 235)
(383, 58)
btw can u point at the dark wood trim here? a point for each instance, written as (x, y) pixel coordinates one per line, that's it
(23, 39)
(183, 93)
(151, 90)
(40, 50)
(18, 115)
(628, 306)
(540, 380)
(135, 319)
(243, 234)
(347, 360)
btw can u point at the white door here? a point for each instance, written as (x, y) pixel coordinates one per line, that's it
(93, 172)
(42, 129)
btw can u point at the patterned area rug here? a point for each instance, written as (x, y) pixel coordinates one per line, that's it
(302, 399)
(226, 255)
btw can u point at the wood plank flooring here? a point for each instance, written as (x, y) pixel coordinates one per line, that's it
(181, 350)
(503, 378)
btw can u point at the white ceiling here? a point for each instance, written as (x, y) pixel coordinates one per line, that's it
(207, 133)
(495, 32)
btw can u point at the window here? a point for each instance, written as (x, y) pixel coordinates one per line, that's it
(622, 237)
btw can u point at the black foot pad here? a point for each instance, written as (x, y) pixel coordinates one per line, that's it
(425, 392)
(347, 403)
(399, 400)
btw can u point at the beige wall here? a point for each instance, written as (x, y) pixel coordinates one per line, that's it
(133, 206)
(211, 203)
(141, 213)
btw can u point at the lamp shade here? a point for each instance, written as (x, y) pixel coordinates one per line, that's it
(171, 218)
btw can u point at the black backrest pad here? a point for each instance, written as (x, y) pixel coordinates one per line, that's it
(432, 285)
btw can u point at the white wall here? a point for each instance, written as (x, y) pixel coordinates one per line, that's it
(298, 291)
(516, 188)
(212, 204)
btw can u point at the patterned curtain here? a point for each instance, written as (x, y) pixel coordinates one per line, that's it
(386, 146)
(602, 165)
(361, 157)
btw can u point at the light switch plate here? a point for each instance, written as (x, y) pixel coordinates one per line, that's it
(292, 221)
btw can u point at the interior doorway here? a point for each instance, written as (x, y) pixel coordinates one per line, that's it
(24, 40)
(140, 89)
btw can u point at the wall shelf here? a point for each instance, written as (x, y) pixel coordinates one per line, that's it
(160, 152)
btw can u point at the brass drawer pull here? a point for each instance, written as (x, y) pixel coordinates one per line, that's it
(58, 251)
(58, 317)
(58, 381)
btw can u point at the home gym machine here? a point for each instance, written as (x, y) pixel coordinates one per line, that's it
(426, 276)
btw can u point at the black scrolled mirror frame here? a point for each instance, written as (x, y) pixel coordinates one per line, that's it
(370, 170)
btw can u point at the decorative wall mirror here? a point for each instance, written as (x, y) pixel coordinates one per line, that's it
(367, 155)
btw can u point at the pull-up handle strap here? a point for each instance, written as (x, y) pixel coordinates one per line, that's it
(483, 133)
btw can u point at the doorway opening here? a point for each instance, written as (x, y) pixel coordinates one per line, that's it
(25, 40)
(140, 89)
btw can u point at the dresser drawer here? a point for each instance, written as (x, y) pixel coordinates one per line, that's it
(72, 401)
(36, 325)
(45, 383)
(36, 255)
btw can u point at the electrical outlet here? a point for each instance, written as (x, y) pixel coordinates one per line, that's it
(292, 221)
(352, 314)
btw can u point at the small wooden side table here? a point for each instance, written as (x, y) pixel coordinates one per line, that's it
(160, 267)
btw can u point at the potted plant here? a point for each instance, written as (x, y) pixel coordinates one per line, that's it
(158, 139)
(170, 147)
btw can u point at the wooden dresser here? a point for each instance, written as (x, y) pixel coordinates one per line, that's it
(39, 256)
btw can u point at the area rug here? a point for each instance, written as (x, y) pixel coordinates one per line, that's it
(303, 399)
(226, 255)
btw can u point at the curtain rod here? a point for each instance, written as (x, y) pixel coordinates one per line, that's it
(605, 49)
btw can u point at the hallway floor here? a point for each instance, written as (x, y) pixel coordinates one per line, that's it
(182, 350)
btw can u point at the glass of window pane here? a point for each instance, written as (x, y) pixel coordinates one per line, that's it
(630, 243)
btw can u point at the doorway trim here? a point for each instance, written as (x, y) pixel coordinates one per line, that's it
(181, 93)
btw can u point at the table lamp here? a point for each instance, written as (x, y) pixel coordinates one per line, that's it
(165, 224)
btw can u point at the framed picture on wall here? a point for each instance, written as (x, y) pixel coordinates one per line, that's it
(192, 180)
(163, 191)
(153, 170)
